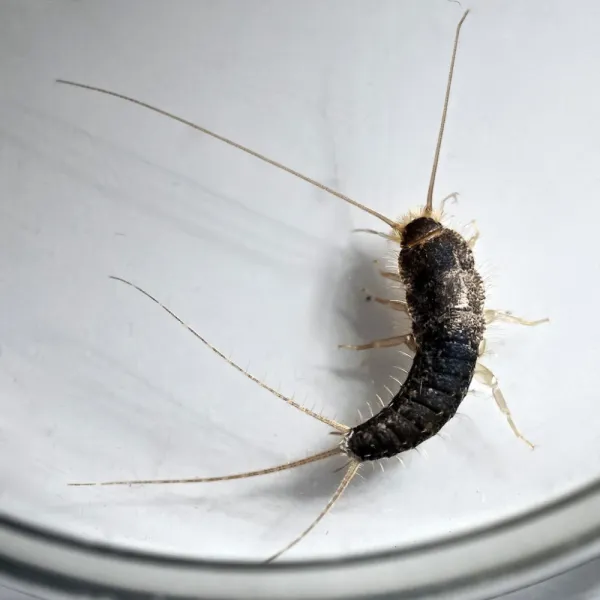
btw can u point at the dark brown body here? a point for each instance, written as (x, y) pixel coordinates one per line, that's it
(445, 297)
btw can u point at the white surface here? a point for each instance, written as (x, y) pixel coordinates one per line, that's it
(98, 383)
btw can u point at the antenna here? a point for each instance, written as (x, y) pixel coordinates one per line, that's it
(429, 205)
(229, 142)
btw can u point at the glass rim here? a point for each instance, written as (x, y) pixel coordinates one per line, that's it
(487, 560)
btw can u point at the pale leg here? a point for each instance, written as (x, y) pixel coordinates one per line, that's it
(499, 315)
(482, 347)
(397, 340)
(452, 196)
(485, 376)
(473, 239)
(387, 236)
(399, 305)
(391, 275)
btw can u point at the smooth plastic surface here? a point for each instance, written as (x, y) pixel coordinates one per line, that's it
(98, 383)
(579, 584)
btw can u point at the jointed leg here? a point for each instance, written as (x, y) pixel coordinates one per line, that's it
(452, 196)
(393, 304)
(397, 340)
(485, 376)
(473, 239)
(391, 275)
(482, 347)
(498, 315)
(387, 236)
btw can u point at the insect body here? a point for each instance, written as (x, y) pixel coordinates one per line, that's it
(444, 298)
(445, 302)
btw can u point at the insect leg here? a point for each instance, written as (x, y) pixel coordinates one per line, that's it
(391, 275)
(507, 317)
(473, 239)
(452, 196)
(482, 348)
(290, 401)
(387, 236)
(350, 473)
(393, 304)
(397, 340)
(485, 376)
(284, 467)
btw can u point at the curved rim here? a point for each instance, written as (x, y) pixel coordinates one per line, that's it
(490, 560)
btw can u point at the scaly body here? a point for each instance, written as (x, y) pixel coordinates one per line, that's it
(445, 300)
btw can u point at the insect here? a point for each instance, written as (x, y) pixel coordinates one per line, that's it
(445, 303)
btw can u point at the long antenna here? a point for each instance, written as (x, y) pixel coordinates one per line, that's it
(285, 467)
(338, 426)
(429, 205)
(235, 145)
(350, 473)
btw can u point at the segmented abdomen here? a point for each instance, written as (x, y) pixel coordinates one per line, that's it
(445, 297)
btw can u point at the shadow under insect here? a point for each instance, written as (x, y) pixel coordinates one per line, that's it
(379, 371)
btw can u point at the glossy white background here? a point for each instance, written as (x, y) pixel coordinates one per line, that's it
(97, 383)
